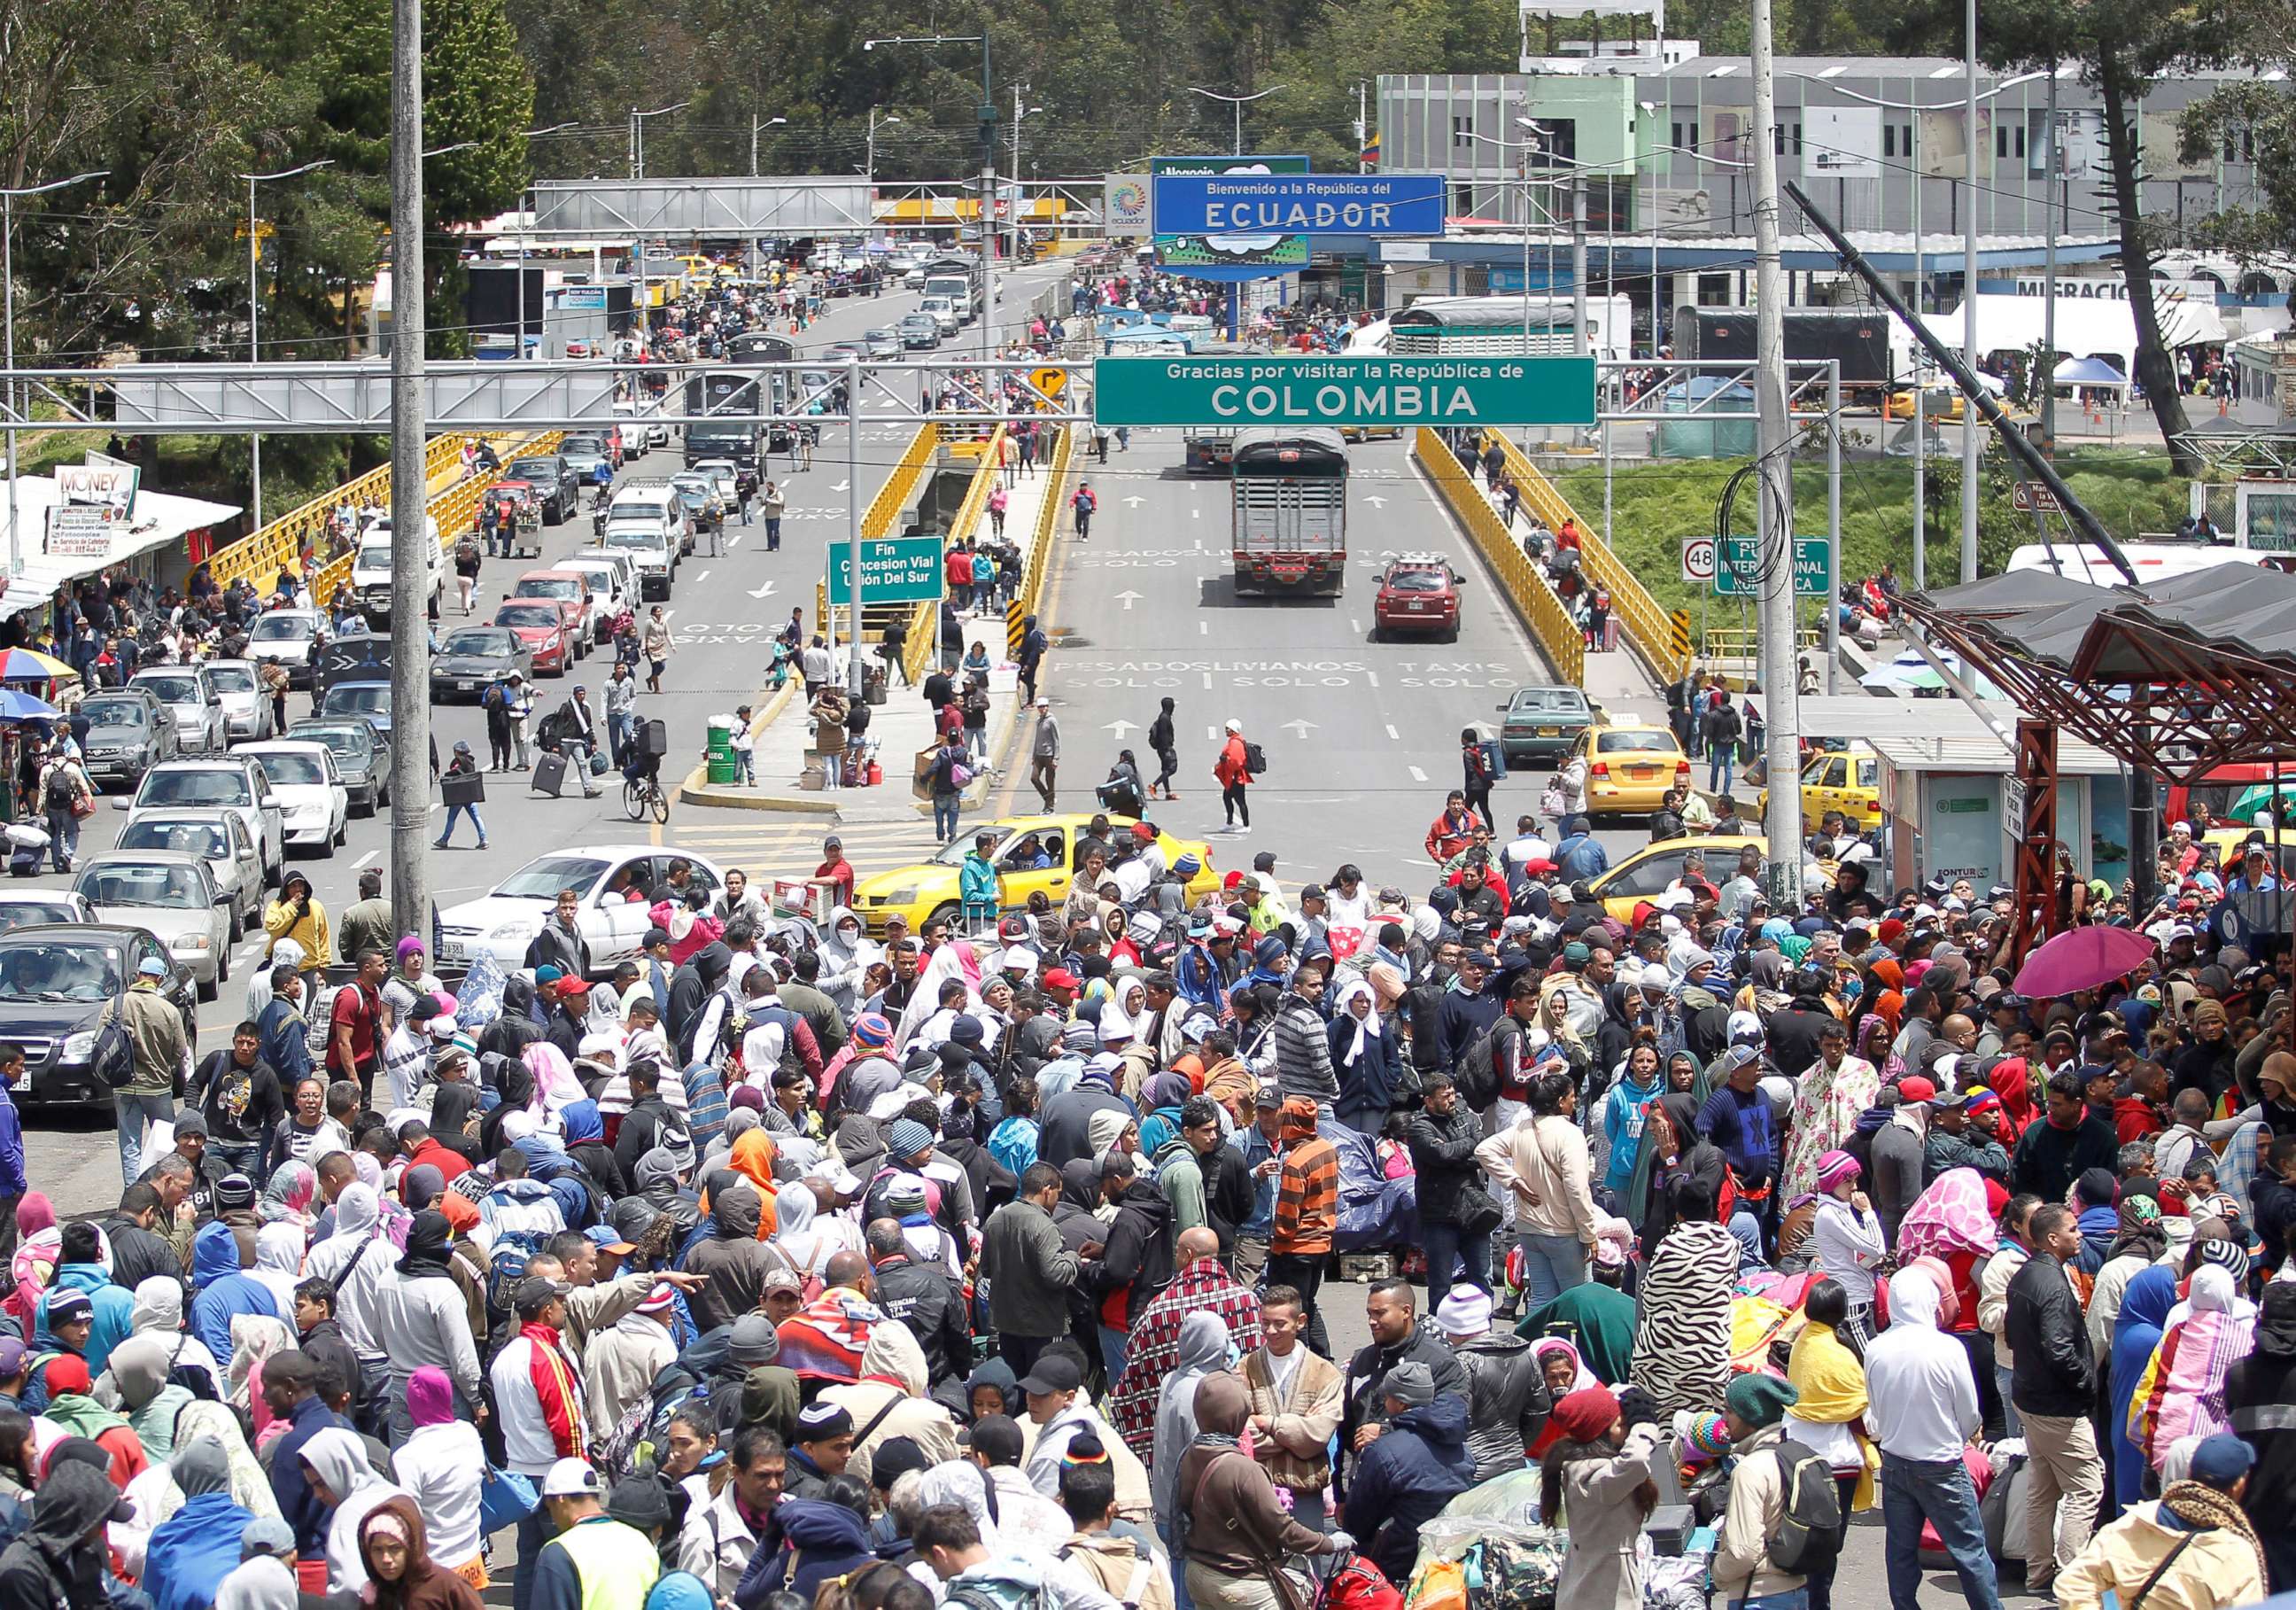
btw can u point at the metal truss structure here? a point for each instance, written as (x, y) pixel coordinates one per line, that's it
(2267, 453)
(334, 399)
(702, 209)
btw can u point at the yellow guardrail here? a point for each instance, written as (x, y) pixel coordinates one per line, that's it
(1541, 611)
(925, 623)
(260, 555)
(1040, 545)
(1641, 617)
(452, 509)
(1741, 643)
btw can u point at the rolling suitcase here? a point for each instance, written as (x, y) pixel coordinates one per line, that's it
(550, 775)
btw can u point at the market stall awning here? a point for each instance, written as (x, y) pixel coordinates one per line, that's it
(159, 518)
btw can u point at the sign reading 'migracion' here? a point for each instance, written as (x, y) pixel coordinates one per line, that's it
(1331, 391)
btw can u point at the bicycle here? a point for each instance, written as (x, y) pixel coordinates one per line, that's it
(644, 794)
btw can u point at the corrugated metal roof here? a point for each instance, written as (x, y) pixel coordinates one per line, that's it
(1937, 735)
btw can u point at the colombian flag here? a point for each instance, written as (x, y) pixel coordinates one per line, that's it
(1369, 156)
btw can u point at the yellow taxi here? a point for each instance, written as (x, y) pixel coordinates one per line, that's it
(1654, 869)
(1938, 403)
(927, 891)
(1371, 432)
(1849, 781)
(1630, 765)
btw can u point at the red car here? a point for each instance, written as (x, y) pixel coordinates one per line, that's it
(1418, 593)
(542, 628)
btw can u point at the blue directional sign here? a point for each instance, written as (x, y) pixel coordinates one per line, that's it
(1299, 203)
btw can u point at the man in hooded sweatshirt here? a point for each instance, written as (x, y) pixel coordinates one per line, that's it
(1136, 1262)
(225, 1293)
(890, 1400)
(61, 1556)
(1418, 1464)
(735, 1260)
(1203, 1349)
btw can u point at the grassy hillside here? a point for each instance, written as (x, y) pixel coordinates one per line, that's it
(1654, 505)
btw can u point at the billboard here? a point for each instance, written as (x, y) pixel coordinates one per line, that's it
(103, 481)
(1222, 204)
(1124, 206)
(1242, 255)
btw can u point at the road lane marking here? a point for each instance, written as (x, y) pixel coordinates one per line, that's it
(1373, 676)
(1393, 734)
(702, 577)
(1203, 629)
(1354, 626)
(1417, 776)
(364, 859)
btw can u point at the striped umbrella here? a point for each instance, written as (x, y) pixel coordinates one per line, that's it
(29, 665)
(16, 705)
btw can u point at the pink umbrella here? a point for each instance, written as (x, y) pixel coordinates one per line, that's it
(2082, 959)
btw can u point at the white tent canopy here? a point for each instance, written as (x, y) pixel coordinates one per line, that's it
(160, 519)
(2086, 327)
(2089, 372)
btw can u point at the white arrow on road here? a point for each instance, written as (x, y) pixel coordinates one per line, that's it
(1377, 503)
(1301, 727)
(840, 485)
(766, 591)
(1119, 729)
(1134, 502)
(1128, 599)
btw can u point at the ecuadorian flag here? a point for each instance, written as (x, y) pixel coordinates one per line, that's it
(1369, 156)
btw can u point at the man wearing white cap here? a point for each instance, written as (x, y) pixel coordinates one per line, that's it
(621, 1361)
(594, 1558)
(1507, 1396)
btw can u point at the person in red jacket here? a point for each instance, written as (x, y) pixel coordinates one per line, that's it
(1235, 775)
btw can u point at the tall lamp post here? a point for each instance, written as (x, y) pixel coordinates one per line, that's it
(1239, 102)
(524, 228)
(988, 220)
(869, 175)
(8, 287)
(254, 288)
(1020, 112)
(757, 125)
(637, 134)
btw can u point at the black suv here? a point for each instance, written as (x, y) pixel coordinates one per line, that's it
(553, 478)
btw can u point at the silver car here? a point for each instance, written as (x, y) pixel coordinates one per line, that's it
(169, 896)
(192, 699)
(223, 784)
(217, 837)
(246, 711)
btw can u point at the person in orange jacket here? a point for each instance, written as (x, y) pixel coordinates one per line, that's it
(1235, 775)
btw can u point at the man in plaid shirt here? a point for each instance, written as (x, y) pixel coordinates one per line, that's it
(1202, 1286)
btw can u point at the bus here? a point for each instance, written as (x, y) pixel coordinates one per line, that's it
(730, 399)
(762, 349)
(1493, 326)
(1290, 510)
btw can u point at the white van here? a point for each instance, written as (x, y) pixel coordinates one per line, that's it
(371, 568)
(650, 542)
(958, 288)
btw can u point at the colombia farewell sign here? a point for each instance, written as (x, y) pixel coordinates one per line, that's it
(1332, 391)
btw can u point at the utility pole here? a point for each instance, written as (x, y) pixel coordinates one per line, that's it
(1969, 301)
(1921, 448)
(2047, 377)
(410, 565)
(1774, 484)
(1362, 125)
(1579, 262)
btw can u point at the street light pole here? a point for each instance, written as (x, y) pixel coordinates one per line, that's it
(254, 286)
(411, 565)
(637, 134)
(1239, 102)
(1968, 301)
(8, 315)
(757, 127)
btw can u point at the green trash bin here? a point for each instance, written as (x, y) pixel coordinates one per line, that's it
(721, 767)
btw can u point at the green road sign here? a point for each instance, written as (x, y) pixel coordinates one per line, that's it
(1332, 391)
(1738, 570)
(894, 570)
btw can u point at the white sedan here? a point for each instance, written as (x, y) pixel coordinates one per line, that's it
(615, 883)
(316, 807)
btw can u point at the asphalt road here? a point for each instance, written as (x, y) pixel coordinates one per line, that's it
(1362, 737)
(725, 610)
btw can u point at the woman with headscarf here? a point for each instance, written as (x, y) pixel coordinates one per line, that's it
(1625, 1117)
(555, 1086)
(1595, 1482)
(287, 1197)
(442, 1466)
(1364, 1058)
(401, 1573)
(1681, 1338)
(1227, 1526)
(2145, 1305)
(2182, 1392)
(1673, 1154)
(159, 1311)
(193, 1550)
(136, 1382)
(1563, 1371)
(1162, 1097)
(1827, 1416)
(341, 1478)
(2260, 1403)
(40, 1251)
(279, 1260)
(1846, 1245)
(586, 1145)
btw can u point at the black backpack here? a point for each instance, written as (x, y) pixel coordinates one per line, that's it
(58, 793)
(113, 1056)
(1255, 759)
(1807, 1538)
(1477, 1076)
